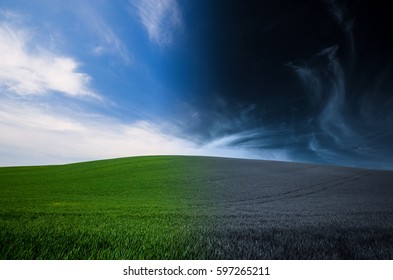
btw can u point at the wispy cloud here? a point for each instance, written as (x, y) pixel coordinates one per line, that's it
(334, 136)
(58, 135)
(110, 43)
(231, 130)
(28, 68)
(343, 18)
(251, 144)
(161, 19)
(107, 40)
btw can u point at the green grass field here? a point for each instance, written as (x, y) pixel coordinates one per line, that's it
(174, 207)
(132, 208)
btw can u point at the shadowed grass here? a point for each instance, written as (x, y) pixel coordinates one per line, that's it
(300, 243)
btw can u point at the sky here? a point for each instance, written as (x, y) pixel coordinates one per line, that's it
(303, 81)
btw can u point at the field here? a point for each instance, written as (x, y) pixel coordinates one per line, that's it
(173, 207)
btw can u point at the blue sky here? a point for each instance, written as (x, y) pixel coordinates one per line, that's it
(303, 80)
(85, 80)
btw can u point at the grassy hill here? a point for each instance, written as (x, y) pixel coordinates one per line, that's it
(173, 207)
(132, 208)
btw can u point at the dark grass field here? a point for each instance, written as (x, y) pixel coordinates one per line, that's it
(277, 210)
(171, 207)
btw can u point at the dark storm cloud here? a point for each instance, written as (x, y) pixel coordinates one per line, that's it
(308, 78)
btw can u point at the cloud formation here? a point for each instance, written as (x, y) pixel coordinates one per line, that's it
(161, 19)
(324, 80)
(58, 135)
(344, 19)
(28, 68)
(110, 43)
(341, 132)
(107, 39)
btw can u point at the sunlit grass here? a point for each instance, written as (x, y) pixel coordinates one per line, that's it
(134, 208)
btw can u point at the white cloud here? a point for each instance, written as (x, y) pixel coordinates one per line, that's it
(34, 134)
(27, 68)
(228, 145)
(161, 19)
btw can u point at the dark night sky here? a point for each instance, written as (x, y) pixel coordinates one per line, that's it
(312, 79)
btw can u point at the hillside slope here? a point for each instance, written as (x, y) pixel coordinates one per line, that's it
(174, 207)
